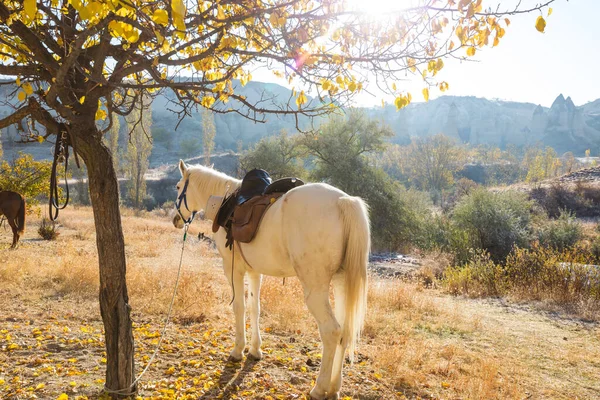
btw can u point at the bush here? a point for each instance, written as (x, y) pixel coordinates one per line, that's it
(583, 200)
(47, 229)
(561, 233)
(479, 277)
(494, 221)
(566, 278)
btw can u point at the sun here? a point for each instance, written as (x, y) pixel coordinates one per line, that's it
(379, 9)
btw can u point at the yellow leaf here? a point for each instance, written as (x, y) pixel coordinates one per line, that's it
(426, 94)
(207, 101)
(18, 81)
(161, 17)
(81, 100)
(301, 99)
(40, 386)
(40, 139)
(394, 86)
(28, 89)
(21, 96)
(496, 41)
(550, 11)
(507, 21)
(540, 24)
(352, 86)
(451, 46)
(30, 7)
(471, 51)
(63, 396)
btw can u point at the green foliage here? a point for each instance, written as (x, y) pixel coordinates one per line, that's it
(561, 233)
(190, 147)
(340, 149)
(279, 155)
(494, 221)
(26, 176)
(479, 277)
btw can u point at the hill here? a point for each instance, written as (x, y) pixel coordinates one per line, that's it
(563, 126)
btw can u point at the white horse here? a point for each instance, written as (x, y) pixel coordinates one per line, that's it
(315, 232)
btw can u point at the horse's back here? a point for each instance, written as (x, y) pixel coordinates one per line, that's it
(303, 227)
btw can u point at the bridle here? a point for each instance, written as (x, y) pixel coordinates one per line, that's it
(183, 199)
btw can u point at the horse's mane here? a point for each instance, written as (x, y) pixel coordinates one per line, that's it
(212, 181)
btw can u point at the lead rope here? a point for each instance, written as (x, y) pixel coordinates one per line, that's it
(130, 391)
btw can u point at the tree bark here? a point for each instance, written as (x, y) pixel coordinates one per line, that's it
(114, 301)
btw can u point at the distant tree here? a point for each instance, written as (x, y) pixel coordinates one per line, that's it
(280, 155)
(1, 152)
(539, 163)
(430, 163)
(208, 134)
(139, 148)
(569, 162)
(189, 147)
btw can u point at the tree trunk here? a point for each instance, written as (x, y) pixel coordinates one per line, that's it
(114, 301)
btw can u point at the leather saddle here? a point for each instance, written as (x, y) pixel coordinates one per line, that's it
(241, 212)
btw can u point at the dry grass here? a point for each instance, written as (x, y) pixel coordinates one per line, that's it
(418, 343)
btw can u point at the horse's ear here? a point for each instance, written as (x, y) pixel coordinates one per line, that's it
(182, 167)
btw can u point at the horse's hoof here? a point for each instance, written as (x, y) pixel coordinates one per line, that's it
(317, 394)
(234, 358)
(255, 355)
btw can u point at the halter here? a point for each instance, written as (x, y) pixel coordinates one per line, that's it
(183, 199)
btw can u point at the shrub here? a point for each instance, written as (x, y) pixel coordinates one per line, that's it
(561, 233)
(543, 272)
(47, 229)
(479, 277)
(583, 200)
(494, 221)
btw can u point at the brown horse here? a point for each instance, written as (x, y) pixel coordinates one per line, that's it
(12, 206)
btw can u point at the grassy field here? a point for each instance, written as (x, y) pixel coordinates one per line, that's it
(418, 342)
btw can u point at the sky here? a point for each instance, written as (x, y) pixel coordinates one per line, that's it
(527, 66)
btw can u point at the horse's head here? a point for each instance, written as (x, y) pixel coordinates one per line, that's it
(197, 184)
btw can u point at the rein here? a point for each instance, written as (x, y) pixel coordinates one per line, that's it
(183, 199)
(61, 156)
(132, 390)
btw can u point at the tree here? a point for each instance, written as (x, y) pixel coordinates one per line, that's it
(78, 61)
(1, 152)
(430, 163)
(341, 150)
(280, 155)
(139, 122)
(208, 134)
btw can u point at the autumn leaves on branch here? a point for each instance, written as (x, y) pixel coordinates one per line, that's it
(99, 57)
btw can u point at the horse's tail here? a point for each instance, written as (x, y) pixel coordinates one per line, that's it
(355, 217)
(21, 217)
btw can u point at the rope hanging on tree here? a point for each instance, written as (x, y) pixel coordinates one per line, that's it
(61, 156)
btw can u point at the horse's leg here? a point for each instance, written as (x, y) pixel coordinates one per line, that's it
(15, 231)
(317, 300)
(339, 293)
(237, 280)
(254, 309)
